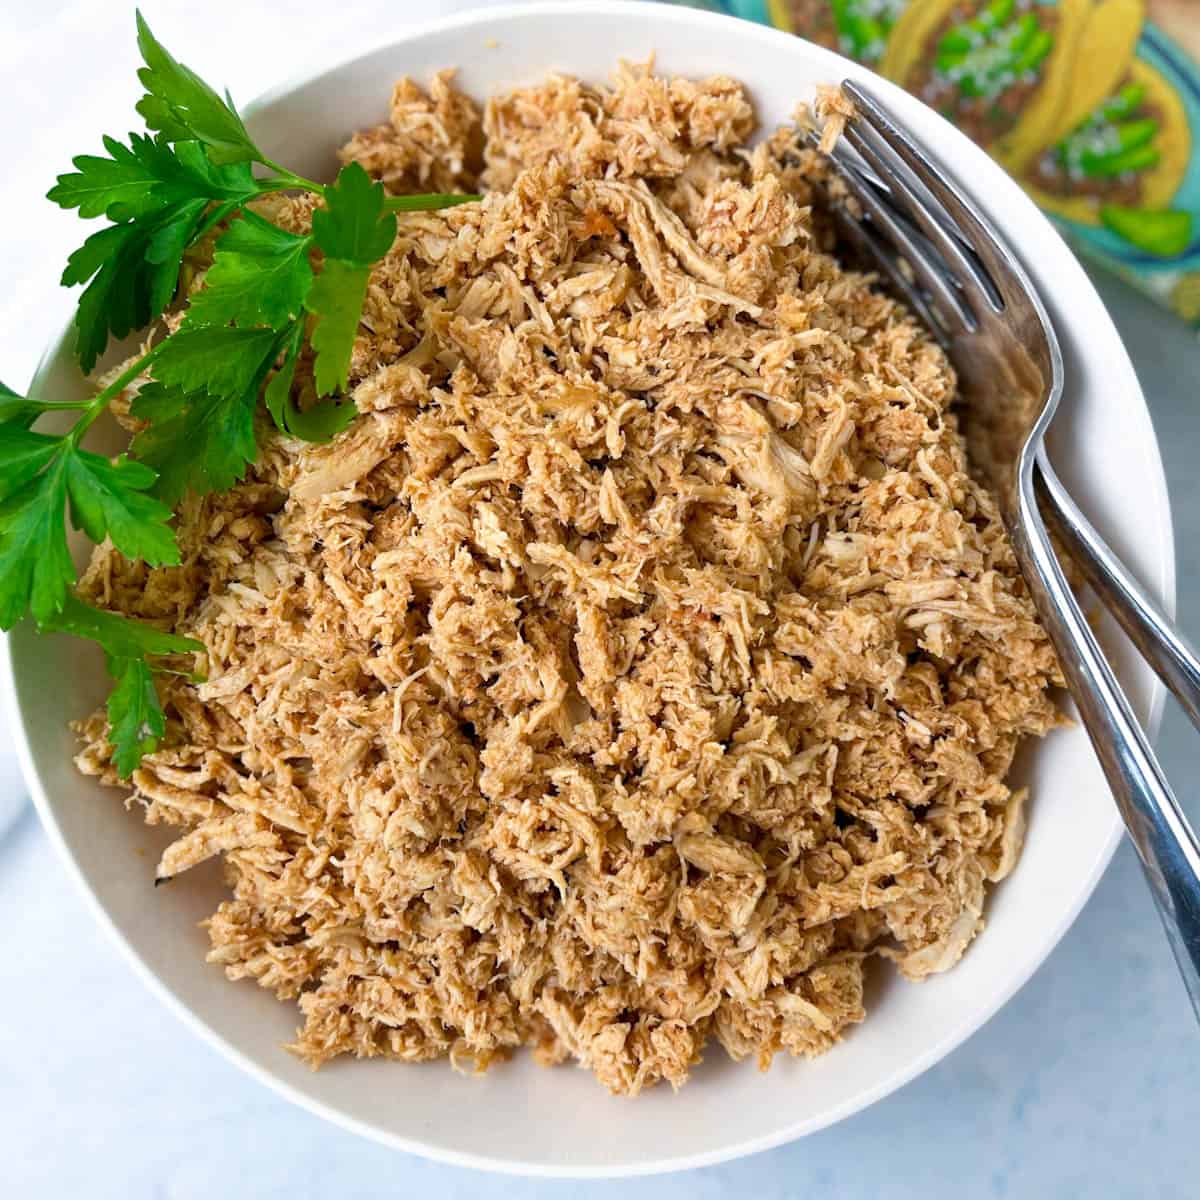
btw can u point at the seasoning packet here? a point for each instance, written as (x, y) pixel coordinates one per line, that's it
(1093, 105)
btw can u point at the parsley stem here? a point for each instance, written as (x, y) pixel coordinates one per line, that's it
(104, 398)
(289, 179)
(215, 217)
(428, 202)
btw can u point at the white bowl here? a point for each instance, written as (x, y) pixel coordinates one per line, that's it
(519, 1117)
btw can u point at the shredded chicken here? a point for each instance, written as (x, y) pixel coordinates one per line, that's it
(643, 660)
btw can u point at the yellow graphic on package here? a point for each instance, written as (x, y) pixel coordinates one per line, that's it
(1087, 104)
(1001, 71)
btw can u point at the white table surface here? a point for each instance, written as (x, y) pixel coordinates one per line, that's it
(1084, 1085)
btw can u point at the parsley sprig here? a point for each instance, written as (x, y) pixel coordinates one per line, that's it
(200, 388)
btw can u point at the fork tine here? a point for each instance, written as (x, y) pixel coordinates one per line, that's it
(873, 247)
(874, 127)
(921, 257)
(906, 192)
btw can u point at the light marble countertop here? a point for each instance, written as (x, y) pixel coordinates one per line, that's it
(1084, 1084)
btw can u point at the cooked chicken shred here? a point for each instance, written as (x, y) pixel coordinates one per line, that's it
(643, 660)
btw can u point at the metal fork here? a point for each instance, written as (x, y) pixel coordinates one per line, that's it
(946, 260)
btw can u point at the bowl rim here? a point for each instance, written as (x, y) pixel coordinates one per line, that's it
(939, 1048)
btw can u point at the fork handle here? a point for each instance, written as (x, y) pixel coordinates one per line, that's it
(1145, 623)
(1164, 841)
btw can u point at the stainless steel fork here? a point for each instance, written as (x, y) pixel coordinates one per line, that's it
(947, 261)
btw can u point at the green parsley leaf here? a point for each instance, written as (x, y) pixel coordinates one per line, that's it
(120, 636)
(354, 232)
(120, 186)
(159, 196)
(278, 393)
(134, 272)
(320, 423)
(108, 499)
(182, 107)
(260, 275)
(111, 304)
(146, 176)
(23, 455)
(135, 717)
(219, 361)
(35, 565)
(193, 171)
(201, 407)
(353, 226)
(96, 252)
(165, 249)
(196, 441)
(336, 300)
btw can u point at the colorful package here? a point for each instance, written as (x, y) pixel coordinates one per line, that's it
(1094, 105)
